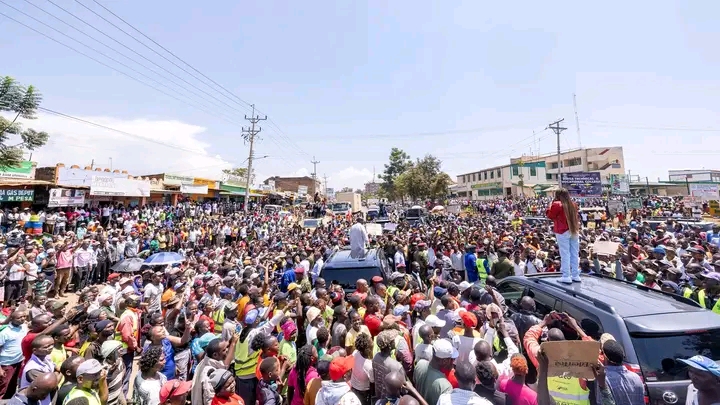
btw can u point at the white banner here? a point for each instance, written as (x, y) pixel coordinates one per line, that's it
(193, 189)
(302, 190)
(176, 180)
(60, 197)
(705, 191)
(109, 186)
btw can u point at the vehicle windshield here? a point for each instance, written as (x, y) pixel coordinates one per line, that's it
(340, 206)
(658, 354)
(347, 278)
(413, 213)
(311, 223)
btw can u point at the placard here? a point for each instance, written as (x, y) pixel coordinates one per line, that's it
(61, 197)
(16, 195)
(705, 192)
(619, 184)
(634, 203)
(390, 227)
(571, 358)
(604, 248)
(374, 229)
(302, 190)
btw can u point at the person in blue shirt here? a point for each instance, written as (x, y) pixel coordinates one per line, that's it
(471, 264)
(287, 278)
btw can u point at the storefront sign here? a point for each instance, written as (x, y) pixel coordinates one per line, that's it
(582, 184)
(705, 192)
(23, 171)
(109, 186)
(14, 195)
(77, 177)
(193, 189)
(486, 185)
(302, 190)
(210, 184)
(175, 180)
(60, 197)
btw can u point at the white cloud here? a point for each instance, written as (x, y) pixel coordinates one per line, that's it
(73, 142)
(351, 177)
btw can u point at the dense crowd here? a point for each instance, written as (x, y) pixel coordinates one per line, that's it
(242, 315)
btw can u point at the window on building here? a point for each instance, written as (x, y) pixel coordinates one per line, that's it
(553, 165)
(533, 171)
(485, 175)
(548, 176)
(499, 173)
(514, 170)
(492, 174)
(575, 161)
(473, 178)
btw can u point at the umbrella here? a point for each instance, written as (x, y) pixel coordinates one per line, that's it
(438, 208)
(164, 258)
(128, 265)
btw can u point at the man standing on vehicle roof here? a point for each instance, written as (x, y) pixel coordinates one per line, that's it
(358, 239)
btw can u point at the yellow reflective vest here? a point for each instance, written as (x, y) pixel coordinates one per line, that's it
(568, 391)
(91, 397)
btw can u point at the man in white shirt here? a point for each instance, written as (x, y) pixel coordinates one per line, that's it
(82, 258)
(315, 273)
(533, 265)
(358, 239)
(518, 264)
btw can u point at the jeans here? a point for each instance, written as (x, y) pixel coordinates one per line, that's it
(569, 245)
(128, 359)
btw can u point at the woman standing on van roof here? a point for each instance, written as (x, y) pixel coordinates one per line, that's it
(564, 214)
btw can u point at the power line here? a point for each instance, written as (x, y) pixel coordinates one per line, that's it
(555, 126)
(653, 128)
(249, 136)
(223, 88)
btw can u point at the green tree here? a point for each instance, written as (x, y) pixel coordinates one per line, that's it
(19, 102)
(346, 190)
(399, 162)
(240, 172)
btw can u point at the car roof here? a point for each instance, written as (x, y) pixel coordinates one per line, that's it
(618, 297)
(342, 259)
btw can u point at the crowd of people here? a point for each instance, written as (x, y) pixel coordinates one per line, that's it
(245, 317)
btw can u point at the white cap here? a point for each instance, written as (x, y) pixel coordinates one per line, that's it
(444, 349)
(434, 322)
(464, 286)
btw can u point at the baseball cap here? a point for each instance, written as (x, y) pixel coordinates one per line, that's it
(443, 349)
(100, 325)
(91, 366)
(227, 290)
(702, 363)
(434, 322)
(174, 388)
(219, 377)
(251, 316)
(421, 305)
(292, 286)
(109, 346)
(57, 305)
(312, 313)
(469, 319)
(231, 306)
(340, 366)
(401, 310)
(713, 275)
(659, 250)
(464, 286)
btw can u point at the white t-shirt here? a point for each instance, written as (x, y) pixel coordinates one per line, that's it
(362, 372)
(153, 293)
(534, 266)
(519, 268)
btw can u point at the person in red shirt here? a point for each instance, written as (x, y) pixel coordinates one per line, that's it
(564, 214)
(223, 384)
(373, 320)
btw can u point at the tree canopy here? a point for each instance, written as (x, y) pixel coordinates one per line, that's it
(18, 102)
(419, 180)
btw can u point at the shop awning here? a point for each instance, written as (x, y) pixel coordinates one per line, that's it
(240, 194)
(164, 191)
(24, 182)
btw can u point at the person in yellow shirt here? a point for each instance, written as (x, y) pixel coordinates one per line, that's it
(356, 328)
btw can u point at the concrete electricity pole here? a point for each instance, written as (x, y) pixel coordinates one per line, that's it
(249, 136)
(314, 174)
(326, 185)
(555, 126)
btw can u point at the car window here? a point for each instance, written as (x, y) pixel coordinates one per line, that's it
(587, 321)
(544, 303)
(658, 355)
(348, 278)
(512, 292)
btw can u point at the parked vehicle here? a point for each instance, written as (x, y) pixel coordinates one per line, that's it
(353, 199)
(655, 328)
(342, 269)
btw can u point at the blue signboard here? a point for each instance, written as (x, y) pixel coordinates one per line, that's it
(582, 184)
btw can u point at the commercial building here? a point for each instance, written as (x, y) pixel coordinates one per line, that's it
(694, 175)
(372, 188)
(294, 184)
(531, 175)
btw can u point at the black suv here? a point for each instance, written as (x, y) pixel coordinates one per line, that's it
(342, 269)
(654, 327)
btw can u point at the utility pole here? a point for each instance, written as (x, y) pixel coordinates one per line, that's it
(555, 126)
(314, 173)
(326, 185)
(249, 136)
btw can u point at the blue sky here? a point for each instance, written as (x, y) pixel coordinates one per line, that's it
(346, 81)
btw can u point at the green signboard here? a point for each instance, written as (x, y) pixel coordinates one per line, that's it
(634, 203)
(23, 171)
(14, 195)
